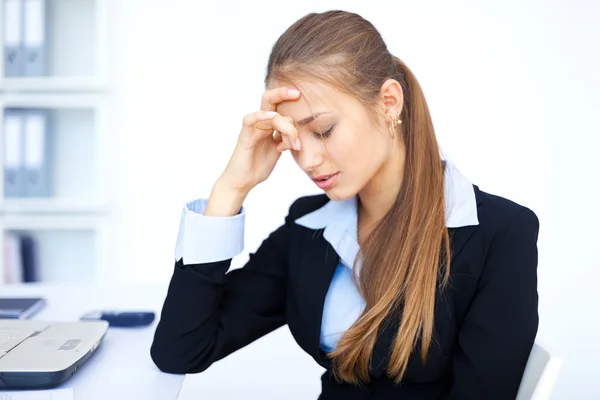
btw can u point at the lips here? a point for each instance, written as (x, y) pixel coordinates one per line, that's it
(326, 182)
(323, 177)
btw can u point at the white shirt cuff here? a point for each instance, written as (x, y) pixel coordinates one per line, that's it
(203, 239)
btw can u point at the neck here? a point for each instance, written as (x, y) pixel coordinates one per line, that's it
(377, 197)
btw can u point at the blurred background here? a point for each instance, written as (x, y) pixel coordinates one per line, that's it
(115, 113)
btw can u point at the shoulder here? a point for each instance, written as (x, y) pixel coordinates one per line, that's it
(306, 204)
(498, 214)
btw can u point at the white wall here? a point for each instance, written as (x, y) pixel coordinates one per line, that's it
(513, 87)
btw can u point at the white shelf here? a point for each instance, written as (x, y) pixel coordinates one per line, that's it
(52, 84)
(63, 255)
(49, 222)
(50, 206)
(67, 248)
(76, 147)
(75, 43)
(47, 100)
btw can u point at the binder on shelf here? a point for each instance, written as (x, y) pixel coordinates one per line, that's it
(34, 38)
(29, 258)
(37, 153)
(14, 170)
(14, 50)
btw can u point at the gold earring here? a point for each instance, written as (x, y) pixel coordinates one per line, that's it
(393, 124)
(397, 121)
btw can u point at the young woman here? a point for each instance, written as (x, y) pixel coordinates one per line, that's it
(404, 280)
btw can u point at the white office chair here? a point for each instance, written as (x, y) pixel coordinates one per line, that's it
(540, 374)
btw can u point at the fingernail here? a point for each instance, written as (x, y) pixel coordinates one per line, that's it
(297, 144)
(270, 114)
(281, 150)
(293, 92)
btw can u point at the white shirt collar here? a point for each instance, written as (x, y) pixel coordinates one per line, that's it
(339, 218)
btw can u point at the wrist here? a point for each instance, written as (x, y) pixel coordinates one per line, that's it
(225, 200)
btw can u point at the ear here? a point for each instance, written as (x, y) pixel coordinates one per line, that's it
(392, 97)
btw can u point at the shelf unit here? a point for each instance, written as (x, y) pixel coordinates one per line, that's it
(70, 225)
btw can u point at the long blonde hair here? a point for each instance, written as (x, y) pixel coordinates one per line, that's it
(406, 254)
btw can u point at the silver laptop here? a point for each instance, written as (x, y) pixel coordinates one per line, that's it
(42, 354)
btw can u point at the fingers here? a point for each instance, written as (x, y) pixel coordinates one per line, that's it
(287, 132)
(281, 147)
(278, 95)
(263, 123)
(283, 142)
(252, 119)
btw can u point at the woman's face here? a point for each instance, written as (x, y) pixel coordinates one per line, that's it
(340, 142)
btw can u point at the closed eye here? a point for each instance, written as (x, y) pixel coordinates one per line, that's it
(323, 135)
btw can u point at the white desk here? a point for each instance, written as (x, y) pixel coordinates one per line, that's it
(122, 367)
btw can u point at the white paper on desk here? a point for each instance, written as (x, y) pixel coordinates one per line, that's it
(52, 394)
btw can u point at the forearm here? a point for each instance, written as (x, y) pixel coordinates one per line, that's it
(185, 337)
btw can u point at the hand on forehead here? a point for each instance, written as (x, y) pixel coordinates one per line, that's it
(315, 98)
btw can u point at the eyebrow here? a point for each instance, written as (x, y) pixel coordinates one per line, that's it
(309, 119)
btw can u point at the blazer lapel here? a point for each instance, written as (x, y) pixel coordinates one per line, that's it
(317, 264)
(460, 236)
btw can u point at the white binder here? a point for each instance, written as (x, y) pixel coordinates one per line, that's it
(13, 261)
(34, 39)
(14, 51)
(13, 153)
(36, 163)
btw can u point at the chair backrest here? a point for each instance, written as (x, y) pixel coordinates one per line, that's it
(540, 374)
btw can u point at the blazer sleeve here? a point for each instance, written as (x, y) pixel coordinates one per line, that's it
(208, 313)
(501, 323)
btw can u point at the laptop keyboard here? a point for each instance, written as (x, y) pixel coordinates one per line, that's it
(10, 337)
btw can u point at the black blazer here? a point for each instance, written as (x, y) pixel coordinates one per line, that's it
(486, 319)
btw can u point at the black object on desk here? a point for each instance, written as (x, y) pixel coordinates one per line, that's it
(121, 318)
(20, 307)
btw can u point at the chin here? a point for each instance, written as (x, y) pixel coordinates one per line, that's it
(339, 194)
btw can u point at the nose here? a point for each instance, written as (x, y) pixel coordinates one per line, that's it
(311, 156)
